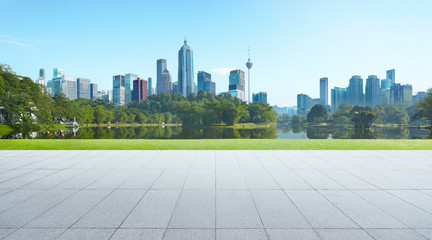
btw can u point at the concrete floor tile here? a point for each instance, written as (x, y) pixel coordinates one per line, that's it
(400, 234)
(230, 179)
(237, 234)
(190, 234)
(141, 180)
(259, 179)
(138, 234)
(343, 234)
(292, 234)
(236, 209)
(35, 234)
(277, 211)
(360, 211)
(87, 234)
(319, 211)
(111, 211)
(68, 212)
(154, 210)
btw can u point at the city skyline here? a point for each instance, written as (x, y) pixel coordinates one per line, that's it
(332, 42)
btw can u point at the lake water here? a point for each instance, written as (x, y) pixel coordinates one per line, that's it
(285, 132)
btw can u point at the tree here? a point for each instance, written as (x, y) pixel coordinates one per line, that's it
(168, 117)
(424, 108)
(362, 117)
(101, 114)
(297, 120)
(141, 118)
(261, 113)
(318, 113)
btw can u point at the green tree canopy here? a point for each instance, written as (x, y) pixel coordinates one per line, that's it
(318, 113)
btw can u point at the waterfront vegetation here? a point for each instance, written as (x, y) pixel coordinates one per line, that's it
(26, 106)
(215, 144)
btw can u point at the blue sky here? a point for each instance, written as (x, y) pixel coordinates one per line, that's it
(293, 43)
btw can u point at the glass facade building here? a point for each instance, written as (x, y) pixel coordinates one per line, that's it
(338, 97)
(119, 90)
(324, 91)
(129, 78)
(407, 94)
(355, 91)
(94, 93)
(66, 85)
(57, 72)
(164, 80)
(185, 70)
(304, 104)
(390, 74)
(150, 86)
(237, 83)
(259, 97)
(205, 83)
(140, 91)
(373, 91)
(83, 87)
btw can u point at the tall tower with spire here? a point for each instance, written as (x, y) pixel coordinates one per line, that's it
(249, 65)
(186, 81)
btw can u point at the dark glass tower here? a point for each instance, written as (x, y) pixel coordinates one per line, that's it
(185, 70)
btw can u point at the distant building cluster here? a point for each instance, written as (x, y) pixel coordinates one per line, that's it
(71, 87)
(376, 92)
(130, 87)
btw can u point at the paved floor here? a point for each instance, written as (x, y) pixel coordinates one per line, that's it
(216, 195)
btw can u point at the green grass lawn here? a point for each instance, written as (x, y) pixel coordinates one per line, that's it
(5, 129)
(218, 144)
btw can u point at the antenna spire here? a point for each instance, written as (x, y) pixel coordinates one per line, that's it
(249, 53)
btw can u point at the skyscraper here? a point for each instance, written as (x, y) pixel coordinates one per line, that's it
(42, 77)
(249, 65)
(164, 81)
(150, 86)
(42, 73)
(236, 85)
(83, 88)
(129, 78)
(139, 90)
(57, 72)
(259, 97)
(373, 91)
(304, 104)
(407, 94)
(396, 93)
(66, 85)
(185, 70)
(205, 83)
(355, 91)
(119, 90)
(391, 75)
(338, 97)
(94, 91)
(324, 91)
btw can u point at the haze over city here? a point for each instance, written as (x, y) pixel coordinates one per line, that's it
(293, 44)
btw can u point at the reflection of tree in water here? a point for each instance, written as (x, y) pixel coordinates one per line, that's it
(394, 133)
(317, 133)
(297, 128)
(86, 133)
(341, 133)
(103, 133)
(363, 133)
(284, 128)
(261, 133)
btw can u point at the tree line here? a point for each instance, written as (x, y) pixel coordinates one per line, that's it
(25, 103)
(365, 116)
